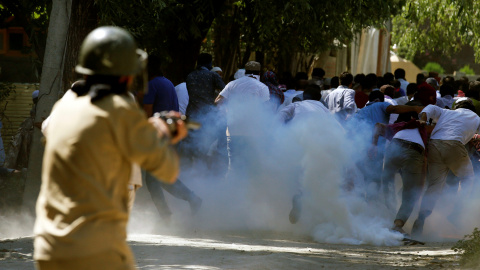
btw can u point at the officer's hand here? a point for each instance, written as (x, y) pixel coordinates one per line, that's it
(180, 130)
(160, 126)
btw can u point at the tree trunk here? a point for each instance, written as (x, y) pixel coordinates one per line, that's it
(83, 20)
(50, 85)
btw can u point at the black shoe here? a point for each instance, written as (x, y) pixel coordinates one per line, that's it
(294, 215)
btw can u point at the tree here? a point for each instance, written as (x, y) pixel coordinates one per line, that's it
(437, 26)
(50, 85)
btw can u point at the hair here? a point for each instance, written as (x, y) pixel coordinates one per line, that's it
(318, 72)
(447, 89)
(359, 78)
(449, 80)
(399, 73)
(204, 59)
(420, 78)
(376, 95)
(346, 78)
(154, 66)
(312, 92)
(335, 82)
(412, 88)
(473, 90)
(301, 76)
(396, 84)
(380, 81)
(287, 79)
(388, 77)
(370, 81)
(465, 104)
(389, 91)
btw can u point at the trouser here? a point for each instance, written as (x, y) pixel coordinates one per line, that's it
(442, 157)
(109, 259)
(177, 189)
(409, 159)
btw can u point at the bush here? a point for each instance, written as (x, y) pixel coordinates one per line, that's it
(467, 70)
(432, 66)
(469, 248)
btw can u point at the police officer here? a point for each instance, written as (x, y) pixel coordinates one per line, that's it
(82, 208)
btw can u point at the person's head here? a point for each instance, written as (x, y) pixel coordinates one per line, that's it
(217, 70)
(269, 77)
(447, 89)
(465, 103)
(433, 82)
(399, 73)
(335, 82)
(388, 77)
(380, 81)
(473, 90)
(449, 80)
(426, 94)
(318, 72)
(376, 96)
(420, 78)
(412, 89)
(252, 68)
(287, 80)
(109, 55)
(327, 82)
(346, 79)
(205, 60)
(312, 92)
(154, 67)
(369, 82)
(357, 81)
(35, 96)
(301, 80)
(388, 90)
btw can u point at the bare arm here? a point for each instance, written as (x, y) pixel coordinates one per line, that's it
(398, 109)
(379, 130)
(219, 100)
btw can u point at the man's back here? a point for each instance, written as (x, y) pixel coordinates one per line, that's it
(162, 95)
(341, 101)
(201, 86)
(82, 205)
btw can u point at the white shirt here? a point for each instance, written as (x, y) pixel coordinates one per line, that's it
(297, 109)
(401, 100)
(403, 84)
(455, 125)
(325, 93)
(446, 101)
(411, 135)
(182, 95)
(243, 97)
(341, 102)
(289, 95)
(393, 116)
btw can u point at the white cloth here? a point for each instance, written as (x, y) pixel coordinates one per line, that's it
(289, 95)
(325, 93)
(242, 97)
(393, 116)
(403, 84)
(182, 95)
(341, 102)
(446, 101)
(455, 125)
(411, 135)
(239, 74)
(401, 100)
(296, 109)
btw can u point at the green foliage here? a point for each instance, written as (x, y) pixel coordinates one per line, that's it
(467, 70)
(469, 248)
(432, 66)
(437, 26)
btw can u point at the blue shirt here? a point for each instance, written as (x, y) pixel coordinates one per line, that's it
(373, 113)
(162, 95)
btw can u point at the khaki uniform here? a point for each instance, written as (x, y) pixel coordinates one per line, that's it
(82, 207)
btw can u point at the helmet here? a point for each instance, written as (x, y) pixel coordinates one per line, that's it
(110, 50)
